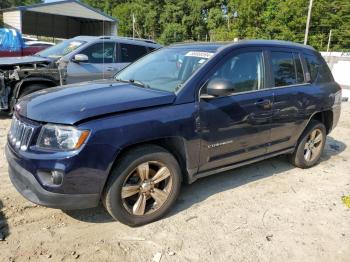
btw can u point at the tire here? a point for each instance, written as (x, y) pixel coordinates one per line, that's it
(164, 175)
(31, 89)
(307, 153)
(27, 90)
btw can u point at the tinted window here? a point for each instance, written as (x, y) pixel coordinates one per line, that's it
(312, 66)
(130, 53)
(287, 69)
(100, 53)
(151, 49)
(299, 69)
(245, 71)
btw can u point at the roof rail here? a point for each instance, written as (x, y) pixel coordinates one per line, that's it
(130, 38)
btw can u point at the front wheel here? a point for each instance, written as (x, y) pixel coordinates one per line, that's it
(26, 91)
(143, 186)
(310, 147)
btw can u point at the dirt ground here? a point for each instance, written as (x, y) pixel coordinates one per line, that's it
(270, 211)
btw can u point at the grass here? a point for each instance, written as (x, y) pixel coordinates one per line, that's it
(346, 200)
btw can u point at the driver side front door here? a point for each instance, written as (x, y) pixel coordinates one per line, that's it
(237, 127)
(102, 60)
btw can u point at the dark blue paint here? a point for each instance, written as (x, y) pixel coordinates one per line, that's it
(68, 104)
(120, 115)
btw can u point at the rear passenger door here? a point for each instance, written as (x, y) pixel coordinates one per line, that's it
(292, 97)
(128, 53)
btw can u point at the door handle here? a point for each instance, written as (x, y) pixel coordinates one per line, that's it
(264, 103)
(110, 69)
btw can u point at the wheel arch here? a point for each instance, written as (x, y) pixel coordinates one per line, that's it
(325, 117)
(20, 86)
(174, 145)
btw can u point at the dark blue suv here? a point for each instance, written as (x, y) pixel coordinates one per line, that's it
(181, 113)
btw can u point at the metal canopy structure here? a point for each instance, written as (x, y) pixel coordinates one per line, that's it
(64, 19)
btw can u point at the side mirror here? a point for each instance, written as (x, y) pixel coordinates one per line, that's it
(220, 87)
(80, 58)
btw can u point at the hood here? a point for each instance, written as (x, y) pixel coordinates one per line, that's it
(73, 103)
(8, 61)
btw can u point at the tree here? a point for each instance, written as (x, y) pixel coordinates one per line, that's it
(171, 21)
(172, 33)
(13, 3)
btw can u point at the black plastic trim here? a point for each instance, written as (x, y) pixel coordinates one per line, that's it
(27, 185)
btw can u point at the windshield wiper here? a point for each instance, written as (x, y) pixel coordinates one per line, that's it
(178, 87)
(138, 83)
(134, 82)
(122, 80)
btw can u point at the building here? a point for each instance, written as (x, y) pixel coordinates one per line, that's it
(64, 19)
(339, 63)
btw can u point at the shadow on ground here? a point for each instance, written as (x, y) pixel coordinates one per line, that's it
(4, 115)
(206, 187)
(91, 215)
(333, 147)
(4, 228)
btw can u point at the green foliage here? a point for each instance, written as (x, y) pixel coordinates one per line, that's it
(172, 33)
(12, 3)
(170, 21)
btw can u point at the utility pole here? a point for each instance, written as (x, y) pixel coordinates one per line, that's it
(329, 40)
(228, 21)
(308, 22)
(133, 25)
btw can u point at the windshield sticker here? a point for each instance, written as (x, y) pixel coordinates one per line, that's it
(75, 44)
(199, 54)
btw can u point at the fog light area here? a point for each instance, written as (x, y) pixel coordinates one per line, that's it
(51, 177)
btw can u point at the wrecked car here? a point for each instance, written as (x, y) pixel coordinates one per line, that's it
(79, 59)
(22, 76)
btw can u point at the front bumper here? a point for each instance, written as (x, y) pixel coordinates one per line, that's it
(28, 186)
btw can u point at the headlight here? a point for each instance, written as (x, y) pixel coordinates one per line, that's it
(61, 138)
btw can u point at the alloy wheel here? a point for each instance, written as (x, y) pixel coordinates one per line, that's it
(313, 145)
(146, 188)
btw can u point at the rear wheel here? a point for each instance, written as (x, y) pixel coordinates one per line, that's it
(310, 146)
(143, 186)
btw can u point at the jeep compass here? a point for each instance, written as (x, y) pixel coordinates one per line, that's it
(178, 114)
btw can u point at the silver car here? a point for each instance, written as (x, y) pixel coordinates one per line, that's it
(83, 58)
(89, 58)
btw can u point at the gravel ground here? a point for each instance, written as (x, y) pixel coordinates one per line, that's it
(269, 211)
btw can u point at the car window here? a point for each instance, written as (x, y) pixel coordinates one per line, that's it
(62, 49)
(312, 66)
(287, 69)
(245, 71)
(166, 69)
(299, 69)
(130, 53)
(100, 53)
(151, 49)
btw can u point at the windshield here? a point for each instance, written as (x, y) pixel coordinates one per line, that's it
(61, 49)
(166, 69)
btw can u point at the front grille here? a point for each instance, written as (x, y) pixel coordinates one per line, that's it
(20, 134)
